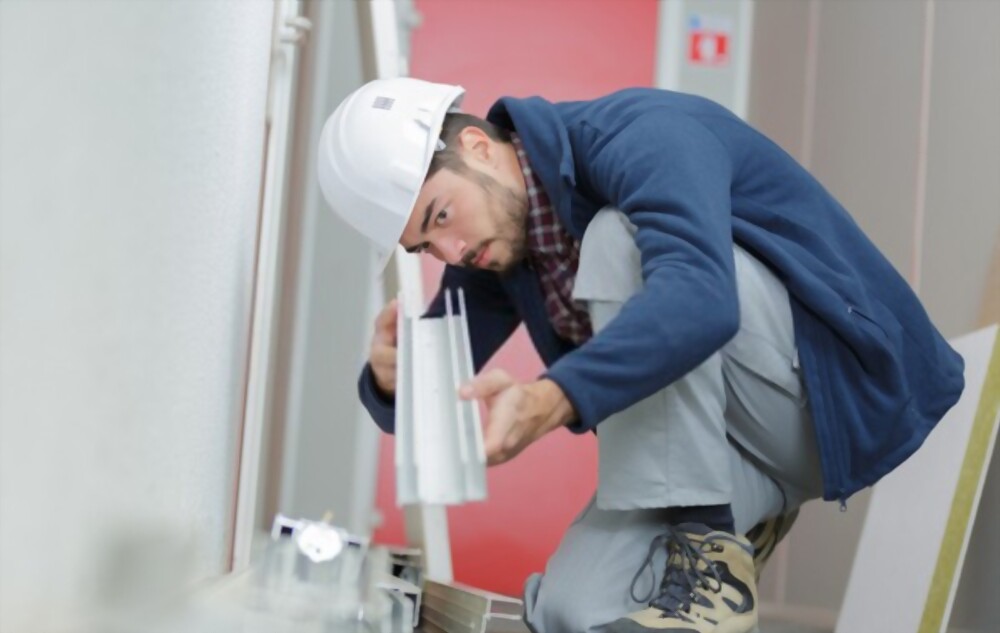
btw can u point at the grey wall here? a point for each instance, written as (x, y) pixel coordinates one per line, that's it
(130, 174)
(893, 105)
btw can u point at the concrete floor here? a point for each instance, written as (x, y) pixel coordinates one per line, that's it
(771, 626)
(774, 626)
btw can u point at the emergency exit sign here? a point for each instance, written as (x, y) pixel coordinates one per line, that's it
(709, 40)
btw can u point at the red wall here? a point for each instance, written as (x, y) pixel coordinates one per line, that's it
(561, 50)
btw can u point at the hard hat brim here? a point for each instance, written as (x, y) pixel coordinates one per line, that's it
(454, 99)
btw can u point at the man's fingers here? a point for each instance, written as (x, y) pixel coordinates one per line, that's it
(495, 458)
(383, 356)
(385, 322)
(501, 448)
(386, 381)
(503, 436)
(486, 385)
(499, 444)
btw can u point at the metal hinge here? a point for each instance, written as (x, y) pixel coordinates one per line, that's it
(295, 30)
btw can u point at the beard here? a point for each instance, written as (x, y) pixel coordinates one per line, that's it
(510, 212)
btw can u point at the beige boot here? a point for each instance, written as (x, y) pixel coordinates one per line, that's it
(766, 535)
(708, 587)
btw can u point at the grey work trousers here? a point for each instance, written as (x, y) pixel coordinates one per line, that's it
(736, 429)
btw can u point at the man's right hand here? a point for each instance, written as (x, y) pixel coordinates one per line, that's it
(383, 352)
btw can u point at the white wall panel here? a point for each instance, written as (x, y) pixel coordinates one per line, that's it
(867, 116)
(132, 139)
(962, 219)
(779, 73)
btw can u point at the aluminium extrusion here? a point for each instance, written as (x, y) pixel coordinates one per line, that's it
(440, 457)
(472, 599)
(457, 608)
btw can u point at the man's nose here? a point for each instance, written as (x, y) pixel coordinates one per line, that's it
(452, 251)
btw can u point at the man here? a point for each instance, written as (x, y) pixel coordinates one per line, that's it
(700, 301)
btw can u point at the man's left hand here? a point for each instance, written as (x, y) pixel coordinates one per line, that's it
(517, 414)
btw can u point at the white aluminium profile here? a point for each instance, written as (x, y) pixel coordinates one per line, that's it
(440, 458)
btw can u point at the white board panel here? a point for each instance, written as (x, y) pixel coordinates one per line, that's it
(910, 556)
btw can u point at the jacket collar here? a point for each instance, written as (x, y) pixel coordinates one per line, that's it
(546, 142)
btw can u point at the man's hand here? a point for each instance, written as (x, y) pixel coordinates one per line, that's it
(517, 414)
(382, 356)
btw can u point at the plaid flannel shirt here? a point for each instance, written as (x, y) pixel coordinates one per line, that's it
(555, 255)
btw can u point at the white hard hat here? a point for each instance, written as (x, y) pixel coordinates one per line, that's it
(375, 150)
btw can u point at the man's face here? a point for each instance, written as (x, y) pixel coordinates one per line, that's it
(470, 219)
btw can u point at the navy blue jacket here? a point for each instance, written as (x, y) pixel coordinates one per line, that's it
(693, 178)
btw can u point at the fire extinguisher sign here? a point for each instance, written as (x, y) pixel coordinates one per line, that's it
(709, 40)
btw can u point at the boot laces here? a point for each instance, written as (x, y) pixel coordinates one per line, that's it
(684, 578)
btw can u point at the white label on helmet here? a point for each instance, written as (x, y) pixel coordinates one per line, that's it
(383, 103)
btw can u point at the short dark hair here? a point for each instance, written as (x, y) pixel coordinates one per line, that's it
(454, 123)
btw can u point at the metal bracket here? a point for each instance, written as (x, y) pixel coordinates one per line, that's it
(440, 457)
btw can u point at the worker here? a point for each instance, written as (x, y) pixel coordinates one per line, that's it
(700, 301)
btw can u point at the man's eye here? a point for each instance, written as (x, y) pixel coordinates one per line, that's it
(441, 217)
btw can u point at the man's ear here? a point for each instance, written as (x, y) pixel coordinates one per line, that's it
(476, 145)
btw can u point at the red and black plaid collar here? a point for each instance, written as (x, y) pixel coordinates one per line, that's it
(545, 233)
(555, 255)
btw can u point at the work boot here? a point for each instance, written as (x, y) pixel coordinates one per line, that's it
(708, 586)
(765, 536)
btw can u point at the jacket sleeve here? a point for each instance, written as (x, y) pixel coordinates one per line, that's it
(381, 408)
(491, 316)
(672, 177)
